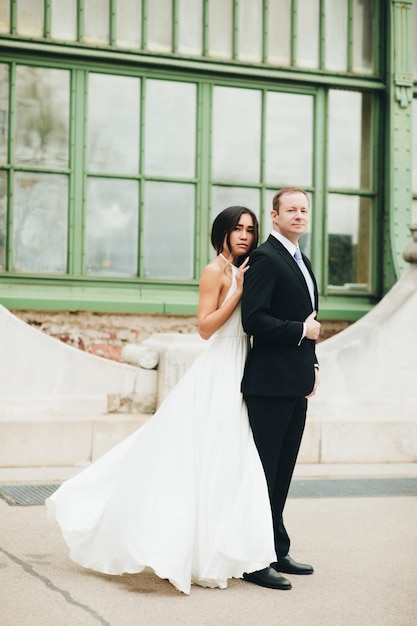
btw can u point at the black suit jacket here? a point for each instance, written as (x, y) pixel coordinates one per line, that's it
(275, 303)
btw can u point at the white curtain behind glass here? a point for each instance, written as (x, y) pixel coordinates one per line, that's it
(170, 128)
(30, 16)
(236, 134)
(64, 20)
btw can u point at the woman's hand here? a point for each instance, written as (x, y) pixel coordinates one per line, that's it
(240, 275)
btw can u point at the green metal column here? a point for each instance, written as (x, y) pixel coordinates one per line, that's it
(398, 165)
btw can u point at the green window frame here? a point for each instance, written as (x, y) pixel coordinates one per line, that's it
(414, 121)
(270, 33)
(79, 288)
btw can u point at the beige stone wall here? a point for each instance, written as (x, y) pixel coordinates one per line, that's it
(105, 334)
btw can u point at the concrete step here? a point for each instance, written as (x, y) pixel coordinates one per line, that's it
(30, 404)
(68, 440)
(302, 471)
(359, 440)
(62, 440)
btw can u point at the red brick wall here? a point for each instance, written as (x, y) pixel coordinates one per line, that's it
(105, 334)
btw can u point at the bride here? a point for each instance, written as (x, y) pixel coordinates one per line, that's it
(185, 494)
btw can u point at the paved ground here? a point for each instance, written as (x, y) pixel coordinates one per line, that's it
(363, 547)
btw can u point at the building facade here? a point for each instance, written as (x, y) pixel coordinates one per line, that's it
(127, 125)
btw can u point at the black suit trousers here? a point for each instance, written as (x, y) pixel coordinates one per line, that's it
(277, 424)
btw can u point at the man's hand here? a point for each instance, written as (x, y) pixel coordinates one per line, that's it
(316, 384)
(312, 326)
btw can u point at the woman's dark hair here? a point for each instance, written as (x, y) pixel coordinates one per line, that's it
(226, 222)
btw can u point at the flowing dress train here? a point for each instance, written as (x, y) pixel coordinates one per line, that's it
(186, 493)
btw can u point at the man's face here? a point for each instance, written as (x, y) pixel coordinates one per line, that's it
(292, 218)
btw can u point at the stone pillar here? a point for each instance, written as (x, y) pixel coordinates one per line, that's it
(176, 353)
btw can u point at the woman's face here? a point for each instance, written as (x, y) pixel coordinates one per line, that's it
(241, 238)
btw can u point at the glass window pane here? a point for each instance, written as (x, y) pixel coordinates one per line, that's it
(64, 20)
(279, 32)
(96, 21)
(4, 111)
(129, 23)
(159, 25)
(289, 139)
(236, 134)
(250, 30)
(170, 129)
(113, 124)
(222, 197)
(363, 36)
(42, 116)
(4, 16)
(220, 28)
(349, 240)
(350, 140)
(308, 16)
(30, 14)
(336, 20)
(169, 221)
(112, 227)
(3, 219)
(414, 160)
(190, 27)
(40, 209)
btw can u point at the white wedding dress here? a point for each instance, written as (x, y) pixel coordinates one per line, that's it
(186, 493)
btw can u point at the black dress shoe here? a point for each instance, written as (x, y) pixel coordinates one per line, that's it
(268, 577)
(287, 565)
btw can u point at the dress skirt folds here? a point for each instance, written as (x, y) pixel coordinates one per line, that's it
(186, 493)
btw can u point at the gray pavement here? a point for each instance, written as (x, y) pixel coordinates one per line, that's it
(363, 548)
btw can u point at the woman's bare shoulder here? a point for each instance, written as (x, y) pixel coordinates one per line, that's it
(212, 270)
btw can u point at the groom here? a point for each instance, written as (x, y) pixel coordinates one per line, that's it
(279, 306)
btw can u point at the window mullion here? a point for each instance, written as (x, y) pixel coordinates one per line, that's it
(263, 161)
(142, 176)
(199, 203)
(319, 243)
(11, 157)
(203, 191)
(144, 24)
(175, 26)
(265, 31)
(76, 218)
(322, 35)
(235, 30)
(47, 19)
(80, 25)
(13, 17)
(205, 27)
(293, 52)
(350, 36)
(112, 22)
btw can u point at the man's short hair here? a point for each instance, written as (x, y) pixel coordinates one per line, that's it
(283, 192)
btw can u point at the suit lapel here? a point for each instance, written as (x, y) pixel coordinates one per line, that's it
(313, 278)
(286, 256)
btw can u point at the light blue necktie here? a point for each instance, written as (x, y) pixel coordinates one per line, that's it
(306, 274)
